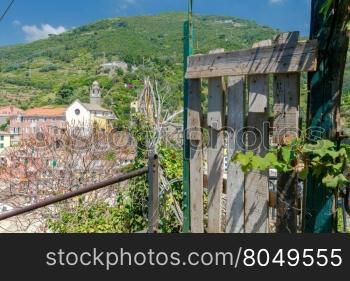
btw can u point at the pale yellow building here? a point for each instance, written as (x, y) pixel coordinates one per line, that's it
(102, 123)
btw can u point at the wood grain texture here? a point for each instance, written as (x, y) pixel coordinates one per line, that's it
(216, 115)
(290, 38)
(286, 88)
(196, 156)
(256, 185)
(194, 111)
(235, 176)
(282, 58)
(286, 91)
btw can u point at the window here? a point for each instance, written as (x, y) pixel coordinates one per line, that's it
(1, 145)
(77, 111)
(2, 138)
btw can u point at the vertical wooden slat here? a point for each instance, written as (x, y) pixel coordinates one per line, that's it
(256, 186)
(216, 113)
(286, 88)
(289, 38)
(235, 176)
(196, 155)
(153, 200)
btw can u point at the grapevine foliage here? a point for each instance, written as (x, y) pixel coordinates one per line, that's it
(322, 160)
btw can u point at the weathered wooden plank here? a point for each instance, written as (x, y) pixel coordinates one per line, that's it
(256, 185)
(194, 112)
(290, 38)
(287, 38)
(282, 58)
(196, 156)
(263, 43)
(286, 88)
(216, 115)
(235, 176)
(285, 124)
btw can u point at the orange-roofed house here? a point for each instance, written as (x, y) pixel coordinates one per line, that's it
(37, 120)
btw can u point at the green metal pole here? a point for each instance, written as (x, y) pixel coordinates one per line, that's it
(188, 51)
(325, 87)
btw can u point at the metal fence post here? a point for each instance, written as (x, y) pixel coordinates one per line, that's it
(188, 51)
(153, 199)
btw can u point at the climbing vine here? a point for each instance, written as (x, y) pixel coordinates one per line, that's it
(322, 160)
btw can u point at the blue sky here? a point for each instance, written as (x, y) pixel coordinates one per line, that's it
(29, 20)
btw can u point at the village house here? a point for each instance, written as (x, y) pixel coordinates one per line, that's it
(7, 112)
(113, 66)
(90, 115)
(37, 120)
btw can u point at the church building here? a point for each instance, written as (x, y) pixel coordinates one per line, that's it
(90, 115)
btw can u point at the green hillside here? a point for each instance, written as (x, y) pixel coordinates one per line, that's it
(60, 69)
(33, 74)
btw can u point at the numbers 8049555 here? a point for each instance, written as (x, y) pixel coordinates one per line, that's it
(293, 258)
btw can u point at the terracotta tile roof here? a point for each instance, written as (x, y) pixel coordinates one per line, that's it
(10, 110)
(45, 112)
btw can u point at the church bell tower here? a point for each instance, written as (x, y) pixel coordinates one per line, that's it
(95, 94)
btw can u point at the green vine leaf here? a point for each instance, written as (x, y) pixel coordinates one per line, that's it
(286, 154)
(332, 181)
(271, 158)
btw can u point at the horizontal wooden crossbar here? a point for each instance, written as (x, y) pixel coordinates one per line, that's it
(283, 58)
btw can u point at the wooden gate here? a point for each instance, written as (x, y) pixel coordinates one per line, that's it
(238, 120)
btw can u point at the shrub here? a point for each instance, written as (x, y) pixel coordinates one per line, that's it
(48, 68)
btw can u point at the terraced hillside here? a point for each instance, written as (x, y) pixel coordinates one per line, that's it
(33, 74)
(60, 69)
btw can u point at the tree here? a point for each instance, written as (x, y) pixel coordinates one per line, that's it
(64, 94)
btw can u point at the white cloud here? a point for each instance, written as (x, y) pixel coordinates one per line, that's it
(275, 1)
(16, 23)
(34, 33)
